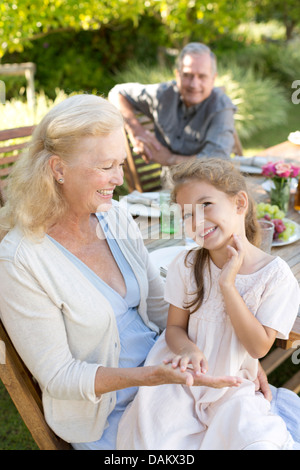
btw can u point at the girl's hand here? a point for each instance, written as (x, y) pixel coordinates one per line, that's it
(233, 264)
(194, 358)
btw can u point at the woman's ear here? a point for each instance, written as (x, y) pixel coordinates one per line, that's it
(242, 202)
(58, 167)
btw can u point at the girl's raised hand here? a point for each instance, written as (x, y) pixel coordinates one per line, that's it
(196, 359)
(233, 264)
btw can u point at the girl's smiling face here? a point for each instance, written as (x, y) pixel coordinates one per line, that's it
(210, 214)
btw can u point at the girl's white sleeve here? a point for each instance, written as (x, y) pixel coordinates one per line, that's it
(176, 292)
(280, 302)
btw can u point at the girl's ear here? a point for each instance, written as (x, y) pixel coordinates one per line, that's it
(241, 202)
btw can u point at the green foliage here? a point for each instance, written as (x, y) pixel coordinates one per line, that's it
(279, 61)
(17, 113)
(24, 20)
(285, 11)
(84, 60)
(261, 102)
(143, 73)
(189, 21)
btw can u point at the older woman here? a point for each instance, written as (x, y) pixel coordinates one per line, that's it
(79, 298)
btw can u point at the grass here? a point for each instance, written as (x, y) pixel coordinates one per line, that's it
(14, 435)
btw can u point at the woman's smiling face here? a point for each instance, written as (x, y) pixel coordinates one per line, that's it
(94, 172)
(210, 215)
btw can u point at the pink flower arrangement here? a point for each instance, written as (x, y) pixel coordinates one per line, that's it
(280, 170)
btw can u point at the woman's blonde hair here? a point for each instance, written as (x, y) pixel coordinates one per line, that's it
(34, 198)
(224, 176)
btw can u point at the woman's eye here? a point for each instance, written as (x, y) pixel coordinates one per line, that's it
(105, 168)
(111, 167)
(187, 216)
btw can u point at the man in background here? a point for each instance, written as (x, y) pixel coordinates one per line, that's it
(191, 117)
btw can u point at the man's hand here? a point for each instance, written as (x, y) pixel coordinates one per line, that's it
(153, 151)
(145, 144)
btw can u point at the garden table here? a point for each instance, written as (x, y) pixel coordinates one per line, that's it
(284, 150)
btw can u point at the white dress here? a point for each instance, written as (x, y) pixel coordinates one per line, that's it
(177, 417)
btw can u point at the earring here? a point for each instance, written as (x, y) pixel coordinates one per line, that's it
(61, 180)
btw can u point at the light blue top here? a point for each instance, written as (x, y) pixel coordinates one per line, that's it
(136, 338)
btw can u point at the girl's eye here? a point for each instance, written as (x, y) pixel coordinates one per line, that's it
(205, 204)
(186, 216)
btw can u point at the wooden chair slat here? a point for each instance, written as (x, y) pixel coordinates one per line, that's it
(17, 132)
(26, 396)
(5, 171)
(12, 148)
(10, 151)
(6, 160)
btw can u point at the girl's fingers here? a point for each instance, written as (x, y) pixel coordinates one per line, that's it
(238, 243)
(172, 360)
(204, 366)
(184, 361)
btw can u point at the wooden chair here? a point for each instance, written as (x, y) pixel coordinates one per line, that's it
(26, 395)
(142, 176)
(12, 143)
(139, 175)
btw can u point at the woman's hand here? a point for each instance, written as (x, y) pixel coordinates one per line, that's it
(233, 264)
(166, 374)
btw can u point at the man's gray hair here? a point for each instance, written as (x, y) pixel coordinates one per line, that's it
(199, 49)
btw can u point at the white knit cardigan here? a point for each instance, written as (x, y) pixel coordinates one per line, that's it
(64, 328)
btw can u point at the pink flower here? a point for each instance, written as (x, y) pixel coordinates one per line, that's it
(269, 169)
(283, 170)
(295, 171)
(280, 170)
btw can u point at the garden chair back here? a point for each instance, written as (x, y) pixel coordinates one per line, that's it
(140, 175)
(12, 143)
(26, 395)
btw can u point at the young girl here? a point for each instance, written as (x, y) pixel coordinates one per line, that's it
(228, 302)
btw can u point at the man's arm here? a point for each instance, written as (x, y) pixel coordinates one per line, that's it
(142, 140)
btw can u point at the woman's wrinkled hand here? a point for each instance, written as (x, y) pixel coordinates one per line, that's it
(167, 374)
